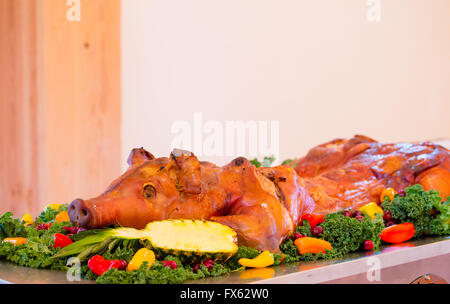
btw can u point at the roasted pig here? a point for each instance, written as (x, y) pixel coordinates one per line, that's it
(263, 205)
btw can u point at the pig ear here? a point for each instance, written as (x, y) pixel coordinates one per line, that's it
(188, 171)
(139, 156)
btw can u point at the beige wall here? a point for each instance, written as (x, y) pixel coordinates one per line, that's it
(319, 67)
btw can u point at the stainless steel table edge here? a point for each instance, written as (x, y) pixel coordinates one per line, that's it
(363, 264)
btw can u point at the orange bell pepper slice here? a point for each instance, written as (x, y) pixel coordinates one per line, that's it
(312, 245)
(15, 240)
(398, 233)
(389, 192)
(63, 216)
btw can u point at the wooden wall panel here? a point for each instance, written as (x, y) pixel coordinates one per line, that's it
(19, 153)
(59, 102)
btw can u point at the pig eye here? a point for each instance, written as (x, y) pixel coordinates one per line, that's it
(149, 191)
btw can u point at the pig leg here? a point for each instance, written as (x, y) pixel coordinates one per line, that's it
(250, 231)
(247, 228)
(261, 224)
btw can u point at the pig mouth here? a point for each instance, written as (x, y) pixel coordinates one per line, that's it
(79, 213)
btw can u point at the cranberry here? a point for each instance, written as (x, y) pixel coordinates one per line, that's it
(196, 267)
(390, 223)
(71, 230)
(360, 218)
(316, 231)
(368, 245)
(123, 265)
(357, 213)
(387, 216)
(43, 226)
(347, 213)
(208, 263)
(401, 193)
(171, 264)
(297, 235)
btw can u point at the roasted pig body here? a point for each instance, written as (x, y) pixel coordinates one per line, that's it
(263, 205)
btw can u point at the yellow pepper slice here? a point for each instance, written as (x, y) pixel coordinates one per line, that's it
(27, 219)
(141, 256)
(63, 216)
(312, 245)
(371, 209)
(15, 240)
(389, 192)
(262, 260)
(53, 206)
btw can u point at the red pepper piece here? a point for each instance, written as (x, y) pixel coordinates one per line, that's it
(398, 233)
(113, 264)
(313, 219)
(61, 240)
(98, 265)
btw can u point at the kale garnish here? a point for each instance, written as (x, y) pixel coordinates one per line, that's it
(422, 208)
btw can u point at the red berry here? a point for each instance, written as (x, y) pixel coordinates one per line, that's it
(401, 193)
(171, 264)
(390, 223)
(387, 216)
(347, 213)
(316, 231)
(43, 226)
(297, 235)
(357, 213)
(368, 245)
(360, 218)
(70, 230)
(123, 265)
(196, 267)
(208, 263)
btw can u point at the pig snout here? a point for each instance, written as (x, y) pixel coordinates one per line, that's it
(79, 213)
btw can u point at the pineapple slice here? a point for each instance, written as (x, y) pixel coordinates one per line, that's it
(192, 238)
(185, 238)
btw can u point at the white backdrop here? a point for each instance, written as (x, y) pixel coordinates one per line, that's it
(320, 68)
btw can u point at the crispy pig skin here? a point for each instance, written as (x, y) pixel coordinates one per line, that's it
(349, 173)
(263, 205)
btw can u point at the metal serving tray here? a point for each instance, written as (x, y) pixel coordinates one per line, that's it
(402, 263)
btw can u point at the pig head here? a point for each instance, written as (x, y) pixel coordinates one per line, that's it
(263, 205)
